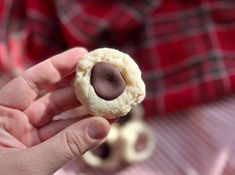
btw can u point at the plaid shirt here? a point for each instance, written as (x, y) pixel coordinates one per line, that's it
(185, 49)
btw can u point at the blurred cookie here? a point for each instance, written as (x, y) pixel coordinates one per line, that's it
(108, 82)
(106, 156)
(136, 113)
(137, 141)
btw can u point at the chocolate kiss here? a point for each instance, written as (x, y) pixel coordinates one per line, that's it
(107, 81)
(141, 142)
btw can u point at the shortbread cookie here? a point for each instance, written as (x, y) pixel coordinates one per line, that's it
(108, 82)
(138, 144)
(136, 113)
(107, 156)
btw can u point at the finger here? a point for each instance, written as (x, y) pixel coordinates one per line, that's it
(41, 111)
(54, 127)
(22, 91)
(17, 125)
(52, 154)
(8, 141)
(113, 120)
(80, 111)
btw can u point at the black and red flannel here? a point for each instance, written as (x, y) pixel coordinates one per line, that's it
(185, 49)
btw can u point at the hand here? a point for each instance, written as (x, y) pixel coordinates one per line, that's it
(31, 143)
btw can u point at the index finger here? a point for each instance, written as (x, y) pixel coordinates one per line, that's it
(24, 89)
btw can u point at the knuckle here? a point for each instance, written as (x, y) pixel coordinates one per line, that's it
(8, 117)
(75, 143)
(18, 116)
(26, 77)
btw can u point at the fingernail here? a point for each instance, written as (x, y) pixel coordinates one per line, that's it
(98, 129)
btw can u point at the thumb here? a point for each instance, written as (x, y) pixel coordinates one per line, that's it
(52, 154)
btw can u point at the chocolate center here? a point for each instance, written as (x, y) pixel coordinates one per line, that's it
(141, 142)
(124, 119)
(103, 151)
(107, 81)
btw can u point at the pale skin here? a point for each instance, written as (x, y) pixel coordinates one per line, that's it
(30, 142)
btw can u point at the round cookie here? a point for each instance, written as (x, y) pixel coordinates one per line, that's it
(108, 82)
(138, 144)
(136, 113)
(106, 156)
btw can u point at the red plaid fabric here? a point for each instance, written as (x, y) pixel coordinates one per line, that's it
(186, 49)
